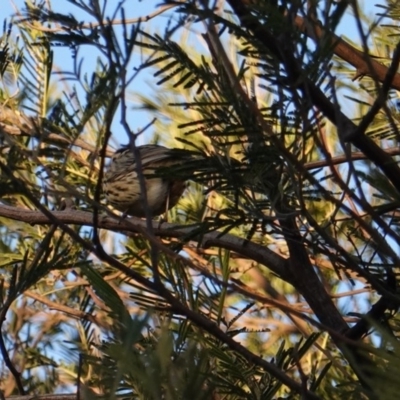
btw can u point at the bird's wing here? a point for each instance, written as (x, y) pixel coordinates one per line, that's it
(151, 154)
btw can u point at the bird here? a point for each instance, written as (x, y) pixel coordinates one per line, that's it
(164, 187)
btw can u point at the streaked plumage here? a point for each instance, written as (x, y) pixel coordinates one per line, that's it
(122, 187)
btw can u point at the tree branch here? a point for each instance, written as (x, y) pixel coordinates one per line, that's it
(57, 217)
(259, 253)
(346, 51)
(300, 80)
(355, 156)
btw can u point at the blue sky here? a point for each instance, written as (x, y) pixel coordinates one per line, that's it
(134, 9)
(63, 55)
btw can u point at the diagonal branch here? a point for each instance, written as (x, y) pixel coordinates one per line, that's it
(299, 79)
(346, 51)
(46, 217)
(381, 98)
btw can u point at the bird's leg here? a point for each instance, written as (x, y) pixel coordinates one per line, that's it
(123, 216)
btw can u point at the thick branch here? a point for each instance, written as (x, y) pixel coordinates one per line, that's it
(307, 281)
(83, 218)
(258, 253)
(347, 52)
(132, 226)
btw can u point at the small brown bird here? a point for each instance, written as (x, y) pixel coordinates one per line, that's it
(121, 184)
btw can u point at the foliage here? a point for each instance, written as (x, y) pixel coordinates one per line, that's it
(275, 275)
